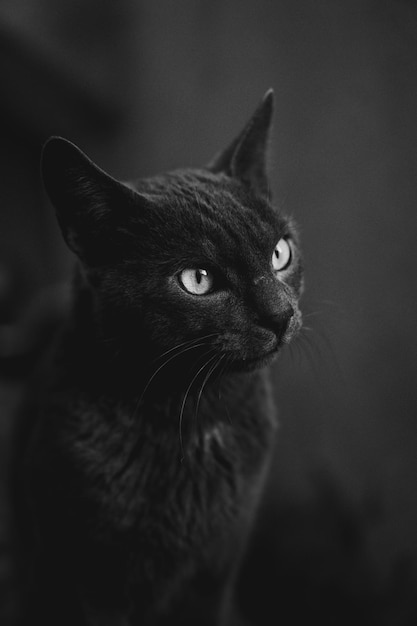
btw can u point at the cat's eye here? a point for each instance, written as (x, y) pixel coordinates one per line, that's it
(199, 282)
(281, 257)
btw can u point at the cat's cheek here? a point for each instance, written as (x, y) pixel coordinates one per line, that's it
(297, 280)
(294, 327)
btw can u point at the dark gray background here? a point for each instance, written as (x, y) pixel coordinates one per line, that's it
(146, 86)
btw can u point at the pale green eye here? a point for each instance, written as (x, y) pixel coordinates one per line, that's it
(281, 257)
(196, 281)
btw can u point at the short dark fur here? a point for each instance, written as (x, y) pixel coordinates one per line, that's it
(155, 427)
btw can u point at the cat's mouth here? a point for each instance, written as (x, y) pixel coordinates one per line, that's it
(256, 362)
(252, 351)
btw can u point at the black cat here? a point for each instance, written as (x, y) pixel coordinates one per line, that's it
(156, 422)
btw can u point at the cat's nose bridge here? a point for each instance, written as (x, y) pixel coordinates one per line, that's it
(272, 304)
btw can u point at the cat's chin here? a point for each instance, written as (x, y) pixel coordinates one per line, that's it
(254, 363)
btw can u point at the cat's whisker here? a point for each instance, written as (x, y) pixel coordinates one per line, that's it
(295, 349)
(190, 342)
(310, 350)
(292, 349)
(221, 373)
(186, 394)
(321, 310)
(132, 420)
(311, 314)
(205, 381)
(156, 372)
(228, 362)
(228, 414)
(325, 345)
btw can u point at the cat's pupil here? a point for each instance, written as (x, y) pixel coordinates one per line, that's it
(200, 274)
(281, 256)
(196, 281)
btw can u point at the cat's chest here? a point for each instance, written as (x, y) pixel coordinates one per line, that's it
(178, 464)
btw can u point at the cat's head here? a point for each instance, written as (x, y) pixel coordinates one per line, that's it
(194, 255)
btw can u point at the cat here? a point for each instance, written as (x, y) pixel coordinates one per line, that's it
(153, 432)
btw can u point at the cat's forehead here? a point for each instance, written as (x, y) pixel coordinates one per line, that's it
(200, 217)
(205, 203)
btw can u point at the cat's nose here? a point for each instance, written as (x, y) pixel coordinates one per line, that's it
(273, 307)
(277, 319)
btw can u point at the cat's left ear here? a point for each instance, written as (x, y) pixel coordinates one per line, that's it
(246, 157)
(90, 204)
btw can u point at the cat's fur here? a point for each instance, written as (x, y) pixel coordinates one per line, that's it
(153, 433)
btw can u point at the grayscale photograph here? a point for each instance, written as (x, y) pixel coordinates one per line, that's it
(208, 313)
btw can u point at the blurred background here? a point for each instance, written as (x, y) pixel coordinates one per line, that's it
(145, 86)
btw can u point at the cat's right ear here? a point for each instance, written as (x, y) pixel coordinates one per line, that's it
(246, 157)
(89, 203)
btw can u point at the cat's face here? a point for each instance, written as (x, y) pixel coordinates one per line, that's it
(212, 259)
(192, 255)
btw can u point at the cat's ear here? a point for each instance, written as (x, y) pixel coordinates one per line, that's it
(89, 203)
(246, 157)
